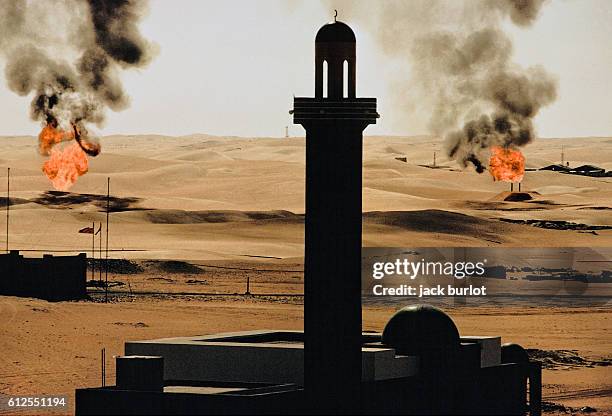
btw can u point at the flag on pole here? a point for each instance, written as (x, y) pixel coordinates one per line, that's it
(86, 230)
(99, 229)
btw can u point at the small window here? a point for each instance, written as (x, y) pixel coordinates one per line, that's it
(345, 71)
(324, 79)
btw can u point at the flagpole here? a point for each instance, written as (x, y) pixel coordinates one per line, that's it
(8, 204)
(107, 214)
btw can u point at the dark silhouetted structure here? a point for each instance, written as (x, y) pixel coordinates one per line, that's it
(584, 170)
(418, 365)
(557, 168)
(334, 121)
(51, 277)
(588, 170)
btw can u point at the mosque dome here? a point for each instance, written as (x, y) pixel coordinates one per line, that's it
(418, 328)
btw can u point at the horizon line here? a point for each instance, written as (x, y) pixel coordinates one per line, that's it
(233, 136)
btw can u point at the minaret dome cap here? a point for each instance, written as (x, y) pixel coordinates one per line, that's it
(335, 32)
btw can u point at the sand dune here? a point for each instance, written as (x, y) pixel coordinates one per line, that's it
(217, 186)
(198, 217)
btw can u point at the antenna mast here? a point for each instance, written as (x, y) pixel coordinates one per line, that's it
(107, 214)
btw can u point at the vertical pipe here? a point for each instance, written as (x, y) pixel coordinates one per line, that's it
(107, 215)
(8, 204)
(103, 366)
(100, 260)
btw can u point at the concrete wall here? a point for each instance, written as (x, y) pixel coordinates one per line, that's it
(51, 277)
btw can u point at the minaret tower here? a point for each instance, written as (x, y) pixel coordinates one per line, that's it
(334, 121)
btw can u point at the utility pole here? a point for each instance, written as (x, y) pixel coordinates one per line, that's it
(107, 217)
(93, 251)
(434, 161)
(8, 204)
(100, 261)
(286, 132)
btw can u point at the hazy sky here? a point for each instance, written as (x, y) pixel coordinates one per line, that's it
(232, 68)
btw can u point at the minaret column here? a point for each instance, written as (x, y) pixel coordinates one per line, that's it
(332, 258)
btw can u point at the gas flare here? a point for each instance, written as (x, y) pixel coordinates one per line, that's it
(71, 69)
(49, 136)
(506, 164)
(65, 164)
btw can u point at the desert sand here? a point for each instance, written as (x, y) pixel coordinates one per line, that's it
(188, 197)
(226, 208)
(53, 348)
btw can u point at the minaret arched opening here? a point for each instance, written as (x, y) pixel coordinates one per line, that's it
(335, 45)
(345, 69)
(325, 79)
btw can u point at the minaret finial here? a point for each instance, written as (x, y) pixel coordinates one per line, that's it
(335, 15)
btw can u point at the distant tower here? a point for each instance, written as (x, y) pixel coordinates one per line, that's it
(286, 132)
(562, 156)
(334, 121)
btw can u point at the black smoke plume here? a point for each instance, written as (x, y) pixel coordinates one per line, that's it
(68, 54)
(462, 77)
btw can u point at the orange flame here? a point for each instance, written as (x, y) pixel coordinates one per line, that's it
(506, 164)
(49, 136)
(66, 164)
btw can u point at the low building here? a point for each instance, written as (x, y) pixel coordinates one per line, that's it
(585, 170)
(418, 365)
(557, 168)
(52, 278)
(588, 170)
